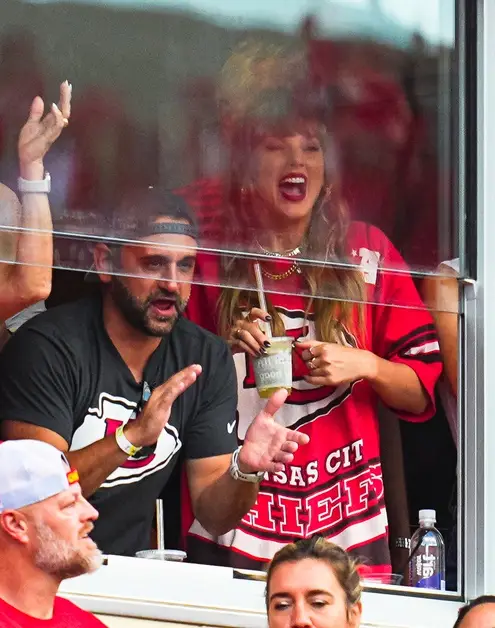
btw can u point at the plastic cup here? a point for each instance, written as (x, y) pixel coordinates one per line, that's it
(176, 556)
(383, 578)
(273, 370)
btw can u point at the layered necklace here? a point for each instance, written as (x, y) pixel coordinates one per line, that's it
(294, 268)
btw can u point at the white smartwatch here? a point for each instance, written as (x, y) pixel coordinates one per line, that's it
(237, 474)
(124, 444)
(35, 187)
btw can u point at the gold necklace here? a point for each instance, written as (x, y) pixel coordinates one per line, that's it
(292, 253)
(277, 276)
(290, 271)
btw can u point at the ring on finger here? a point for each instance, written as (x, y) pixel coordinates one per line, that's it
(237, 333)
(66, 122)
(311, 364)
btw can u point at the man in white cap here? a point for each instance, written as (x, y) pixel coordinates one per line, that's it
(44, 527)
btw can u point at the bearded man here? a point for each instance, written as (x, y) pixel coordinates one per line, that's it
(44, 526)
(129, 388)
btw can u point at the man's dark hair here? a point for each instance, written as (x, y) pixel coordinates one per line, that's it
(482, 599)
(139, 211)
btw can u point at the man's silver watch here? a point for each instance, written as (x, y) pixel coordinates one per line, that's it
(35, 187)
(237, 474)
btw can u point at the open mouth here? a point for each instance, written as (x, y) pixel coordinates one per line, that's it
(293, 187)
(164, 307)
(87, 538)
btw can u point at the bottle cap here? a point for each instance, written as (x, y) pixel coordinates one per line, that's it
(428, 515)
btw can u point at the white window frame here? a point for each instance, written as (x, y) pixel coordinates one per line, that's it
(211, 596)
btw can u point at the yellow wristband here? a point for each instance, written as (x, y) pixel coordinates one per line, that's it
(126, 446)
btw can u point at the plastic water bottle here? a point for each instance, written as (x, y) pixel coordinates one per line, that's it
(427, 554)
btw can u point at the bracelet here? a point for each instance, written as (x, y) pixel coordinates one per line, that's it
(35, 187)
(124, 444)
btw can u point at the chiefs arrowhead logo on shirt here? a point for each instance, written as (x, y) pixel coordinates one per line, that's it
(111, 413)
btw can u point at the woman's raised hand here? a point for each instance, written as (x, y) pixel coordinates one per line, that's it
(39, 132)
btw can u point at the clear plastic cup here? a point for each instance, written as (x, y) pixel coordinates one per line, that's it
(176, 556)
(274, 370)
(383, 578)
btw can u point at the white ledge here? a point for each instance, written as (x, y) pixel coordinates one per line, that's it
(200, 594)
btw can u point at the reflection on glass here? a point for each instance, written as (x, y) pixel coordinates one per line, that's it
(313, 137)
(163, 112)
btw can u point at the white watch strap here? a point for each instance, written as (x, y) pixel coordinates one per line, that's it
(237, 474)
(124, 444)
(35, 187)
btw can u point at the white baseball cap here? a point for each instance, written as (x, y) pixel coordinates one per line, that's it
(31, 471)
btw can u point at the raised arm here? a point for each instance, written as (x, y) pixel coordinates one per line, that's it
(29, 280)
(39, 391)
(441, 294)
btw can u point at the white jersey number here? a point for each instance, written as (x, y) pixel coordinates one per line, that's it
(369, 264)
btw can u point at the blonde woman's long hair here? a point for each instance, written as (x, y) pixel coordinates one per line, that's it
(258, 87)
(325, 240)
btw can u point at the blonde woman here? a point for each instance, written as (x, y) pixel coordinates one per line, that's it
(280, 201)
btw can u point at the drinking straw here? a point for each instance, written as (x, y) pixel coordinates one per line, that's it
(160, 532)
(261, 297)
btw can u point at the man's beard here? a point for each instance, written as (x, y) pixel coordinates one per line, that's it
(136, 312)
(59, 558)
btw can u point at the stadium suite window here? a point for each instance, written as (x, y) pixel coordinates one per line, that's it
(375, 115)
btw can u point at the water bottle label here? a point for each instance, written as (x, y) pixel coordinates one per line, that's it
(432, 582)
(427, 569)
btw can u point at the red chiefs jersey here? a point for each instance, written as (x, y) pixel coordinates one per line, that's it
(334, 485)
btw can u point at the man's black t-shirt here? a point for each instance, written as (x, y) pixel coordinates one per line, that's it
(62, 372)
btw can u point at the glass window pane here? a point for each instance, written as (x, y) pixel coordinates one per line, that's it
(279, 122)
(313, 138)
